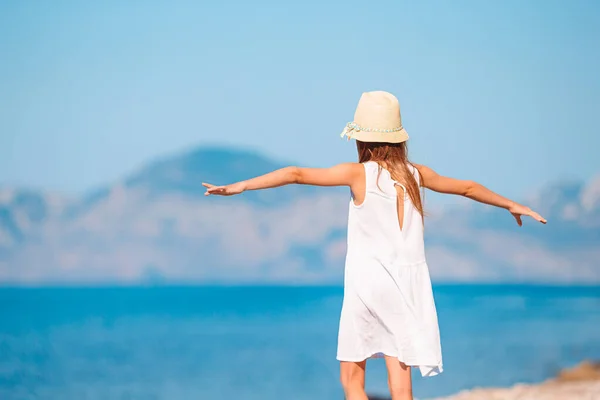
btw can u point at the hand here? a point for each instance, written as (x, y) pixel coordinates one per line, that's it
(517, 210)
(228, 190)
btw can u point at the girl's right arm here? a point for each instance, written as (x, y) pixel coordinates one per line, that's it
(347, 174)
(475, 191)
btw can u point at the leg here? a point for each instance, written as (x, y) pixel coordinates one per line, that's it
(399, 379)
(352, 375)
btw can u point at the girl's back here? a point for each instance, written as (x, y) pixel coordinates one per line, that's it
(386, 223)
(388, 304)
(388, 308)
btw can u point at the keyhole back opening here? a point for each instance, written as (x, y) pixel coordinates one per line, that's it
(400, 197)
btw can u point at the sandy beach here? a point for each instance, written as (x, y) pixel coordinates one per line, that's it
(545, 391)
(581, 382)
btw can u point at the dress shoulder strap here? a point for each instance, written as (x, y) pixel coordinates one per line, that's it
(415, 173)
(371, 173)
(380, 180)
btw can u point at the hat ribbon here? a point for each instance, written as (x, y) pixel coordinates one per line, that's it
(352, 127)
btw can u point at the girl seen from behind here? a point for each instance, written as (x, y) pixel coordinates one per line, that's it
(388, 308)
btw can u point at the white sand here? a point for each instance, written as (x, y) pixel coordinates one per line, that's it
(551, 390)
(579, 383)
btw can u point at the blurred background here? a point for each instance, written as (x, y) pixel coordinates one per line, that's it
(120, 280)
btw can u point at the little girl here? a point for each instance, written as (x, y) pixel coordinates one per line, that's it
(388, 308)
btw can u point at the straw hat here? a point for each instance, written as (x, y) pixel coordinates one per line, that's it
(376, 119)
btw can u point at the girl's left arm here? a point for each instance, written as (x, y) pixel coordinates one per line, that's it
(346, 174)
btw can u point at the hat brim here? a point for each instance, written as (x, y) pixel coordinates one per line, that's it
(381, 137)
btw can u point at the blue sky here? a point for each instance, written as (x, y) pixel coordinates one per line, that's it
(504, 93)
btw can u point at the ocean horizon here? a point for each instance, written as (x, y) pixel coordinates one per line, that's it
(166, 341)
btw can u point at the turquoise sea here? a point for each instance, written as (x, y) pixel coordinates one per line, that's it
(269, 343)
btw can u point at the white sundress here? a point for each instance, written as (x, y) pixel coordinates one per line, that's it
(388, 306)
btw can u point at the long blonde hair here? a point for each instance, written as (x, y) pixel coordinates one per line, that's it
(394, 158)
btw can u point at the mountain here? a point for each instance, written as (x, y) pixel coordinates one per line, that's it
(22, 212)
(156, 225)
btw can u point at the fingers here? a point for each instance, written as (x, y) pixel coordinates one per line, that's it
(212, 189)
(531, 214)
(537, 217)
(518, 218)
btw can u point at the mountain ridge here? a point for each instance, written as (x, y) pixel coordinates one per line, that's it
(156, 225)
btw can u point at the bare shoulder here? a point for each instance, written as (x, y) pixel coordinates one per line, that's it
(353, 166)
(338, 175)
(442, 184)
(348, 168)
(424, 170)
(353, 170)
(427, 174)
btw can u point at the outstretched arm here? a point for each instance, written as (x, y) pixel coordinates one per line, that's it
(347, 174)
(475, 191)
